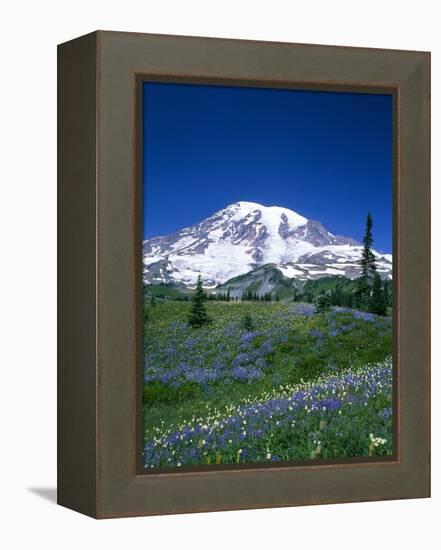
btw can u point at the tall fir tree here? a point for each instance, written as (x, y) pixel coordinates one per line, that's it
(368, 267)
(323, 303)
(377, 301)
(387, 296)
(247, 322)
(198, 314)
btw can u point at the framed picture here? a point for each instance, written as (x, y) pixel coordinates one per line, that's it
(244, 270)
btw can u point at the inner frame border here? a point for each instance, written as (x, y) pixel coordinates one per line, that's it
(176, 78)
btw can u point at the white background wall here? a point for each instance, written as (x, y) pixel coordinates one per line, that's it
(29, 33)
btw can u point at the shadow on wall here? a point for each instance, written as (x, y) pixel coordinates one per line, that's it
(48, 493)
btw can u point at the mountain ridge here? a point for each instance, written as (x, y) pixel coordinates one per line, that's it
(244, 236)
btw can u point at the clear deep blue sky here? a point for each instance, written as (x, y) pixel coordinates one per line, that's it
(325, 155)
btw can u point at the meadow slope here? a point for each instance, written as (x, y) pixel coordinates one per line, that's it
(265, 381)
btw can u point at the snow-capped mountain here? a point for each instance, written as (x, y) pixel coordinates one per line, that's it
(246, 235)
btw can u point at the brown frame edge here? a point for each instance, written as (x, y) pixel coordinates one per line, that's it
(139, 80)
(97, 272)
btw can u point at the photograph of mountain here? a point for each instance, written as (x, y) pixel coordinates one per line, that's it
(244, 236)
(267, 275)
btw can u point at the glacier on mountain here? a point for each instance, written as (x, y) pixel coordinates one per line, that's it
(246, 235)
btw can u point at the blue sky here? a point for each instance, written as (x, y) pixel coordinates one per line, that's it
(325, 155)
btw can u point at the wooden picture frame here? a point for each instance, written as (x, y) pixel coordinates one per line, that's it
(99, 371)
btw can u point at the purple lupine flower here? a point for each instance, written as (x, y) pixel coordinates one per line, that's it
(306, 310)
(190, 343)
(364, 316)
(316, 333)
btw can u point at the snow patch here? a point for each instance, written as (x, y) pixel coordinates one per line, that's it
(244, 235)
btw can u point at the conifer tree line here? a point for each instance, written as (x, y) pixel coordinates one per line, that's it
(221, 297)
(371, 293)
(247, 296)
(198, 315)
(343, 296)
(368, 293)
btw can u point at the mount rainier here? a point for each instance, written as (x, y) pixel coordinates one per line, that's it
(246, 236)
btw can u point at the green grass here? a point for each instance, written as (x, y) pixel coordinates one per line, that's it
(222, 365)
(164, 291)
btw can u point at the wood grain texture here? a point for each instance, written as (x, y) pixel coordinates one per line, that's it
(77, 377)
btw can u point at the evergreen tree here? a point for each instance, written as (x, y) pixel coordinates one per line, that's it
(377, 302)
(349, 300)
(336, 297)
(247, 322)
(145, 318)
(362, 294)
(387, 296)
(323, 303)
(368, 267)
(198, 314)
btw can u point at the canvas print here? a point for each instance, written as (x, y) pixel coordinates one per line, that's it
(267, 275)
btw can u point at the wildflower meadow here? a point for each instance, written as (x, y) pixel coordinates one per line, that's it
(265, 381)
